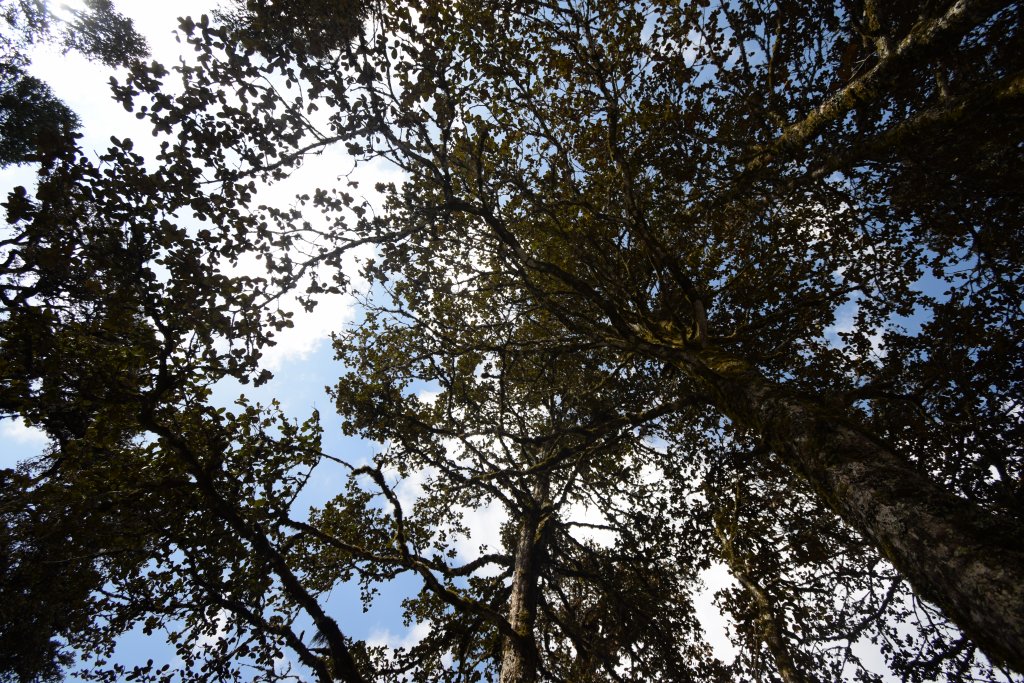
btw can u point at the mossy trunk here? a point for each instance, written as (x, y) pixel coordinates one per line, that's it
(963, 558)
(520, 659)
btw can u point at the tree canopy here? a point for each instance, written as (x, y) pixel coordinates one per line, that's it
(35, 126)
(739, 278)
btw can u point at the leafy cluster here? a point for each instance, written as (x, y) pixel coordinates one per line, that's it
(34, 124)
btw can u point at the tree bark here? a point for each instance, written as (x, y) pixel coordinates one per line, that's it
(520, 659)
(922, 40)
(966, 560)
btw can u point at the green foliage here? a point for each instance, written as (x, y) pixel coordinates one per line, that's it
(34, 124)
(289, 27)
(102, 33)
(735, 277)
(98, 31)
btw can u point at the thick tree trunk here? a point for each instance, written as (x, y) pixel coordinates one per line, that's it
(519, 658)
(964, 559)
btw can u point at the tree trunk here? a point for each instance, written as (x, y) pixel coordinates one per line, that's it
(966, 560)
(519, 657)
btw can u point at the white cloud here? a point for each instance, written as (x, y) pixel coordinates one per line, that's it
(207, 641)
(484, 524)
(309, 328)
(712, 619)
(428, 396)
(386, 638)
(410, 638)
(581, 513)
(651, 474)
(18, 431)
(158, 20)
(413, 487)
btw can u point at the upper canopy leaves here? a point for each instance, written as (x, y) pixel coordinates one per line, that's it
(738, 276)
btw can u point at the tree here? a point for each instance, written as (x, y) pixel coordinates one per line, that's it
(34, 125)
(539, 431)
(673, 201)
(34, 122)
